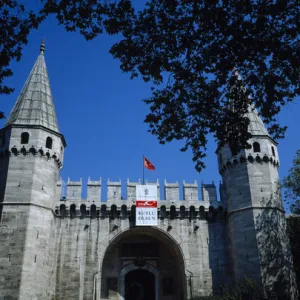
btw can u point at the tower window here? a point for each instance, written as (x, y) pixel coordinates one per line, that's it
(256, 147)
(73, 211)
(49, 142)
(24, 138)
(273, 151)
(220, 158)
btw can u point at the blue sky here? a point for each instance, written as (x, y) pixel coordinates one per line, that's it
(101, 114)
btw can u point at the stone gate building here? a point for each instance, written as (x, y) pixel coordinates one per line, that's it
(53, 248)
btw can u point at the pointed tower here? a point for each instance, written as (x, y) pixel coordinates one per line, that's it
(32, 151)
(256, 221)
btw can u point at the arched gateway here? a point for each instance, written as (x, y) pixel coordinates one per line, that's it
(143, 264)
(90, 249)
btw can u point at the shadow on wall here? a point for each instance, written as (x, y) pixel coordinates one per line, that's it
(277, 267)
(219, 258)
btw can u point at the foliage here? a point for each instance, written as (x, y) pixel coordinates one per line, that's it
(291, 183)
(246, 289)
(293, 231)
(15, 26)
(188, 49)
(16, 22)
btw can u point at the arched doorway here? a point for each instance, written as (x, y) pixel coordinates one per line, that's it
(142, 259)
(139, 285)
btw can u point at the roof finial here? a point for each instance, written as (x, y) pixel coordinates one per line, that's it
(42, 47)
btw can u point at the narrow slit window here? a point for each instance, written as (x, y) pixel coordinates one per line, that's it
(273, 151)
(49, 142)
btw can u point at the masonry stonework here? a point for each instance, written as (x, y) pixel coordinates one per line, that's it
(56, 245)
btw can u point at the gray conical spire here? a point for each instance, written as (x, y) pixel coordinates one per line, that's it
(256, 125)
(35, 104)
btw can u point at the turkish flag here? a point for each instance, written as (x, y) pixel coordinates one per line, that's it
(148, 164)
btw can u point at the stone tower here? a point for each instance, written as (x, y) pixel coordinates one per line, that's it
(256, 221)
(31, 157)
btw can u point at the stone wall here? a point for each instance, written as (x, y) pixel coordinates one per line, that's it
(259, 246)
(27, 218)
(82, 241)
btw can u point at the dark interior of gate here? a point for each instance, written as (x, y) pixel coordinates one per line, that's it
(143, 264)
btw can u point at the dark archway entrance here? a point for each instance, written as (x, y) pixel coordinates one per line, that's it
(139, 285)
(144, 249)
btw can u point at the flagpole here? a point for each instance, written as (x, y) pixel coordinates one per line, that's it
(143, 170)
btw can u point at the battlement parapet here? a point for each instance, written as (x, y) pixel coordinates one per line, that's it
(114, 191)
(190, 191)
(132, 183)
(94, 189)
(171, 185)
(190, 185)
(95, 182)
(74, 183)
(74, 189)
(209, 192)
(171, 191)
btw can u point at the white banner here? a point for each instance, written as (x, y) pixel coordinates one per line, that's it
(146, 205)
(146, 192)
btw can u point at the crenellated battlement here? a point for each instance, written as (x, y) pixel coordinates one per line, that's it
(114, 193)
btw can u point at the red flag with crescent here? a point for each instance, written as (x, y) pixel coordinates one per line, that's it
(148, 164)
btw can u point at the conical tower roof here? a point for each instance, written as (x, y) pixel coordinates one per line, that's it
(256, 125)
(35, 104)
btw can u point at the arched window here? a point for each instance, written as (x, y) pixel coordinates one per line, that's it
(62, 210)
(124, 211)
(172, 212)
(83, 210)
(73, 211)
(273, 151)
(163, 212)
(113, 211)
(93, 210)
(211, 212)
(182, 212)
(49, 142)
(103, 210)
(24, 138)
(192, 212)
(256, 147)
(202, 212)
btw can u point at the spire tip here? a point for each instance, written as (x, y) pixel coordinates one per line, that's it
(42, 47)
